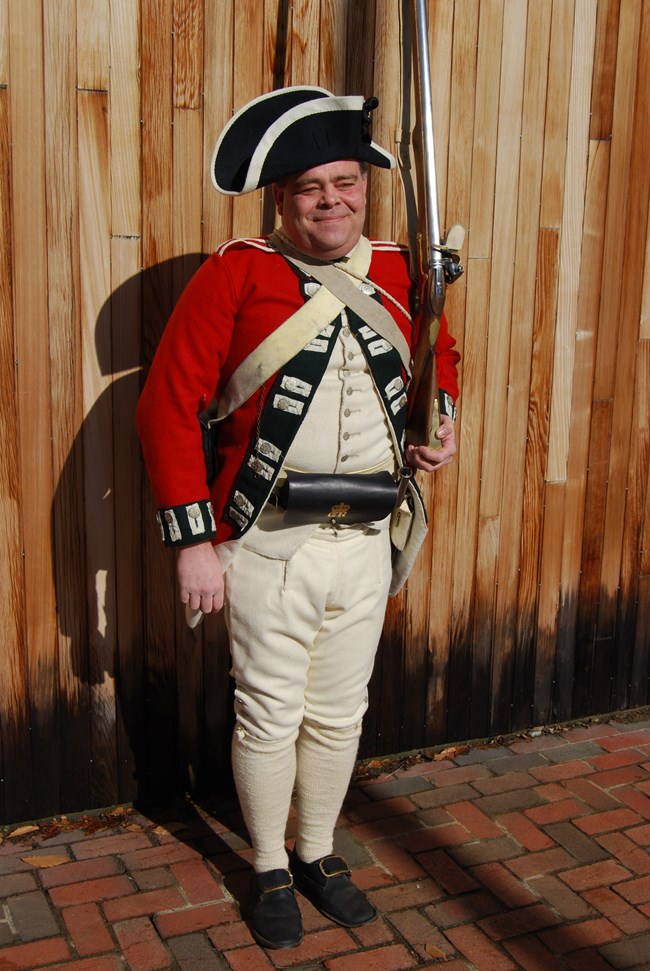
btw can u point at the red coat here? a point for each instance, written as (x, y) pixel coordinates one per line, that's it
(239, 296)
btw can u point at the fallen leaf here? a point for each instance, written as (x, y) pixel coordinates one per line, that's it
(24, 830)
(169, 829)
(452, 752)
(436, 952)
(45, 861)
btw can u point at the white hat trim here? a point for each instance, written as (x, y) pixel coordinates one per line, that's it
(315, 106)
(243, 110)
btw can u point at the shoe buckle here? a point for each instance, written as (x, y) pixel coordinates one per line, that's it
(280, 886)
(344, 869)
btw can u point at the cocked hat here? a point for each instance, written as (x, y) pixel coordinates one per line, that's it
(289, 131)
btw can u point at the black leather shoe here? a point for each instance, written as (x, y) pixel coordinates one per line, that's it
(327, 884)
(275, 918)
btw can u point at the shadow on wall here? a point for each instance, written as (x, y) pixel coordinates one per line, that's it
(144, 710)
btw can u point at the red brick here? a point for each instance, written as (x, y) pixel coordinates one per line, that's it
(109, 845)
(393, 958)
(462, 773)
(588, 959)
(504, 885)
(468, 907)
(87, 929)
(197, 882)
(381, 829)
(433, 816)
(248, 959)
(103, 889)
(474, 820)
(538, 744)
(625, 740)
(108, 962)
(586, 933)
(536, 864)
(627, 852)
(371, 878)
(141, 946)
(592, 732)
(228, 936)
(595, 875)
(531, 955)
(160, 856)
(593, 795)
(405, 895)
(516, 922)
(635, 800)
(446, 872)
(383, 809)
(479, 949)
(612, 906)
(635, 891)
(525, 832)
(374, 934)
(32, 955)
(561, 771)
(556, 811)
(194, 919)
(604, 822)
(67, 873)
(614, 760)
(508, 782)
(625, 776)
(400, 863)
(640, 835)
(153, 879)
(551, 792)
(194, 952)
(317, 946)
(435, 837)
(144, 904)
(418, 932)
(561, 898)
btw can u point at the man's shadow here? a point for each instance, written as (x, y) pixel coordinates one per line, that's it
(145, 707)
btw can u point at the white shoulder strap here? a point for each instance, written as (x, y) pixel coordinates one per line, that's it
(337, 292)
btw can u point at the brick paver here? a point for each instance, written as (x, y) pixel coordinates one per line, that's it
(530, 854)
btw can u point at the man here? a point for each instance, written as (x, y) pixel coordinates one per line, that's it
(303, 383)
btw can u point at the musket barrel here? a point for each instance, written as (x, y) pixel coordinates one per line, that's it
(426, 122)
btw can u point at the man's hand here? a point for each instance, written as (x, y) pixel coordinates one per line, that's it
(200, 577)
(431, 459)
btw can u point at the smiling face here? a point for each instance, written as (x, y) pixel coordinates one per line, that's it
(323, 209)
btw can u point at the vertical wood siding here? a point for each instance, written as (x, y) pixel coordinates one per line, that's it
(531, 600)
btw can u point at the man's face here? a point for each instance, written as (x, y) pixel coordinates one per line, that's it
(323, 208)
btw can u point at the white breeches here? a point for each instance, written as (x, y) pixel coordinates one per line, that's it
(304, 634)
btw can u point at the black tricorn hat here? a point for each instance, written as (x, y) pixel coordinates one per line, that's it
(289, 131)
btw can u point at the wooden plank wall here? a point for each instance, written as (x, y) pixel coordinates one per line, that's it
(531, 601)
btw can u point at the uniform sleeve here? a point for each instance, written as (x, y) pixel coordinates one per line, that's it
(447, 359)
(183, 379)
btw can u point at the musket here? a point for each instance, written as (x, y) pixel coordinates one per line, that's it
(435, 262)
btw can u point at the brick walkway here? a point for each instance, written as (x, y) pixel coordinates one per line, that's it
(531, 854)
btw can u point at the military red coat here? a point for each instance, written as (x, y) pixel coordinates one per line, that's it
(240, 295)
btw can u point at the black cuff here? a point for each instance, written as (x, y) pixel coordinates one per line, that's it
(447, 406)
(186, 525)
